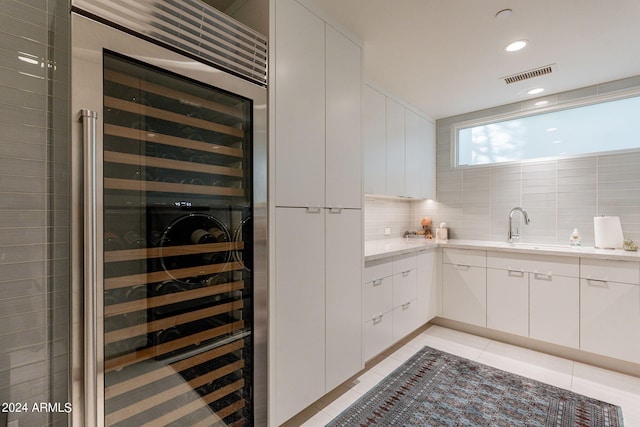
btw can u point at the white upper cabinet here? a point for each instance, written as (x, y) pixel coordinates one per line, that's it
(395, 148)
(318, 103)
(343, 121)
(399, 149)
(374, 142)
(300, 107)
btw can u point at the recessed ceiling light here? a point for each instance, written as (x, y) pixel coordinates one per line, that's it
(516, 45)
(535, 91)
(552, 129)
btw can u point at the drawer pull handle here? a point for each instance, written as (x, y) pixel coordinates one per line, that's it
(462, 267)
(406, 305)
(377, 282)
(335, 210)
(313, 210)
(406, 273)
(540, 275)
(377, 319)
(598, 282)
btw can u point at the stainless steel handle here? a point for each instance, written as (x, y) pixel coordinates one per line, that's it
(377, 282)
(406, 305)
(335, 210)
(463, 267)
(598, 282)
(91, 267)
(377, 319)
(313, 210)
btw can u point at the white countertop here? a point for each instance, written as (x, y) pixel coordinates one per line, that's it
(377, 249)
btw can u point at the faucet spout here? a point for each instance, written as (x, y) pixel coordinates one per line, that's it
(525, 216)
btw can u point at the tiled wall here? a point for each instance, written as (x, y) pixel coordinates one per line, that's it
(34, 206)
(559, 195)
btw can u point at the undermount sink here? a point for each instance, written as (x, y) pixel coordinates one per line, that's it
(534, 246)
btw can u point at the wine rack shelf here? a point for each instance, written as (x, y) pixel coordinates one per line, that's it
(177, 292)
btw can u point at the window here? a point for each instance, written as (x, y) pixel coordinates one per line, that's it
(605, 126)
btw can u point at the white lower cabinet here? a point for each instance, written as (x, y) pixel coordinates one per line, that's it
(318, 294)
(554, 309)
(377, 335)
(508, 301)
(610, 310)
(464, 286)
(396, 299)
(300, 310)
(343, 295)
(426, 290)
(534, 295)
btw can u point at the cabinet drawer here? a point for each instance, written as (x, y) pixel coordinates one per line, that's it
(402, 263)
(532, 263)
(377, 298)
(404, 287)
(470, 257)
(378, 269)
(404, 320)
(377, 335)
(610, 270)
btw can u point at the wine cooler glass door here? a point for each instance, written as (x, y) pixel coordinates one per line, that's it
(175, 309)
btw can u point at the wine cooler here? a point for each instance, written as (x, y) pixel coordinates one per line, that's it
(170, 242)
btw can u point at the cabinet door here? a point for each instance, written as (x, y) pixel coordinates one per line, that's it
(300, 310)
(508, 301)
(428, 168)
(404, 287)
(426, 287)
(464, 294)
(610, 319)
(395, 148)
(417, 157)
(376, 298)
(404, 320)
(554, 309)
(377, 335)
(300, 106)
(374, 130)
(344, 258)
(343, 121)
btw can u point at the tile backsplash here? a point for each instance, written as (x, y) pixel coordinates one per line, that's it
(559, 194)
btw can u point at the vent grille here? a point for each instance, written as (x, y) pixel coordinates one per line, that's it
(536, 72)
(192, 27)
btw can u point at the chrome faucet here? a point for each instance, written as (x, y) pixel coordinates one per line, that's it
(516, 235)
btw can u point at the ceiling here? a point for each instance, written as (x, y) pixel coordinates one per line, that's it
(447, 57)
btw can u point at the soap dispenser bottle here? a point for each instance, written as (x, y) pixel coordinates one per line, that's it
(575, 239)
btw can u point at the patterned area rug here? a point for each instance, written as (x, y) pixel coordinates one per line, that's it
(437, 389)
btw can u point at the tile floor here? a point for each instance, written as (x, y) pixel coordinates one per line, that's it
(609, 386)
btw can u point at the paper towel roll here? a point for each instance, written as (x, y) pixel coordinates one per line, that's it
(608, 232)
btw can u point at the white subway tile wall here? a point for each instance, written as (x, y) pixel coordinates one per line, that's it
(34, 207)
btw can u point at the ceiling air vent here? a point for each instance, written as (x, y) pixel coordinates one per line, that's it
(525, 75)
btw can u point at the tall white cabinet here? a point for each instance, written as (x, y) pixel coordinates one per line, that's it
(316, 164)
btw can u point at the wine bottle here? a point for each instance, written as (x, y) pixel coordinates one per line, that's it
(218, 234)
(112, 242)
(201, 236)
(167, 335)
(134, 240)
